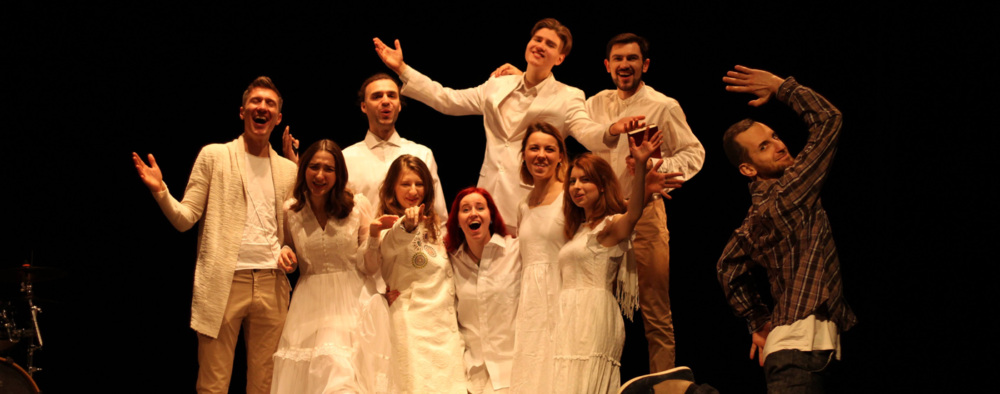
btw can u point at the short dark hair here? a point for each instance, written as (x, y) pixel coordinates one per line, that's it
(628, 38)
(262, 82)
(735, 152)
(373, 78)
(561, 30)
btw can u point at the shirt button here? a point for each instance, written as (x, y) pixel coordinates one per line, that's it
(451, 310)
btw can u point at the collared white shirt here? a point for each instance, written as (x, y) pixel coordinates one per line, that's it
(681, 150)
(515, 105)
(487, 304)
(369, 160)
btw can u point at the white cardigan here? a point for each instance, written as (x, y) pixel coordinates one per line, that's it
(215, 195)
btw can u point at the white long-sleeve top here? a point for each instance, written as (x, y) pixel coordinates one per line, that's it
(487, 305)
(682, 152)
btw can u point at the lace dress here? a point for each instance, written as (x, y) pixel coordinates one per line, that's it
(590, 329)
(427, 348)
(540, 236)
(336, 334)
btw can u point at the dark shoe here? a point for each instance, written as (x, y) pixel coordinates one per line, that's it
(669, 381)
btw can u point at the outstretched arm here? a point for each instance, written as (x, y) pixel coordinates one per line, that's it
(392, 57)
(761, 83)
(623, 225)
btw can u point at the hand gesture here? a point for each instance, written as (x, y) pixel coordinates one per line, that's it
(380, 223)
(390, 295)
(658, 182)
(287, 260)
(506, 69)
(392, 57)
(150, 174)
(758, 340)
(288, 146)
(761, 83)
(641, 150)
(413, 217)
(627, 124)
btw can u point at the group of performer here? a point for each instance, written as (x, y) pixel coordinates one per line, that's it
(521, 284)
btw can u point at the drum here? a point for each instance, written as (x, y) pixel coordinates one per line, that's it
(13, 379)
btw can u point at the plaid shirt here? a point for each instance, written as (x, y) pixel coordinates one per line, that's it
(786, 231)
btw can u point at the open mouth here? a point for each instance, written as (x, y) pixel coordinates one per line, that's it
(259, 119)
(475, 225)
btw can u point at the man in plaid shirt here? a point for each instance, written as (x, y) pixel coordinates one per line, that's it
(786, 232)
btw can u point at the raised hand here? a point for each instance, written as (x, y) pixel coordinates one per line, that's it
(287, 260)
(627, 124)
(412, 217)
(392, 57)
(641, 150)
(761, 83)
(150, 174)
(288, 146)
(380, 223)
(658, 182)
(506, 69)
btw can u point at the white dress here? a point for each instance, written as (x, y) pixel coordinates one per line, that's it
(540, 234)
(589, 348)
(427, 348)
(336, 334)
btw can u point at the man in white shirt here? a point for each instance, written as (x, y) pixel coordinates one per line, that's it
(509, 104)
(236, 191)
(627, 59)
(369, 160)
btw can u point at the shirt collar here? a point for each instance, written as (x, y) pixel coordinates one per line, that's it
(534, 90)
(372, 140)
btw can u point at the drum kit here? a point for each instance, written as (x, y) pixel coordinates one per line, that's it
(16, 329)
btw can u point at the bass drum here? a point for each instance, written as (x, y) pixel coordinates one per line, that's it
(13, 379)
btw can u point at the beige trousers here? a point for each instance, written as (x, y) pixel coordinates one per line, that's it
(652, 253)
(258, 301)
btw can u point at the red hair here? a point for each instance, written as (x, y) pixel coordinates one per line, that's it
(455, 237)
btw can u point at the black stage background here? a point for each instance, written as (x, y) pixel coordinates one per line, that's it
(92, 83)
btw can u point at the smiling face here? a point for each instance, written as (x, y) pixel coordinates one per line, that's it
(768, 155)
(582, 189)
(474, 217)
(260, 113)
(381, 105)
(542, 155)
(409, 189)
(321, 174)
(543, 49)
(626, 66)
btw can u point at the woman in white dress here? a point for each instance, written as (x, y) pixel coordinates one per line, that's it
(595, 265)
(426, 345)
(540, 223)
(336, 335)
(487, 266)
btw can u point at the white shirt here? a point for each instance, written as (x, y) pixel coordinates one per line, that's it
(259, 247)
(807, 335)
(682, 152)
(369, 160)
(560, 105)
(487, 304)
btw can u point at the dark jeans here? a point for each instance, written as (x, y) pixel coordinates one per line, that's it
(794, 371)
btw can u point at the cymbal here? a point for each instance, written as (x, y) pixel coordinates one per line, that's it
(33, 273)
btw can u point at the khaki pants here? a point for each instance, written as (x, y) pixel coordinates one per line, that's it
(652, 254)
(258, 301)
